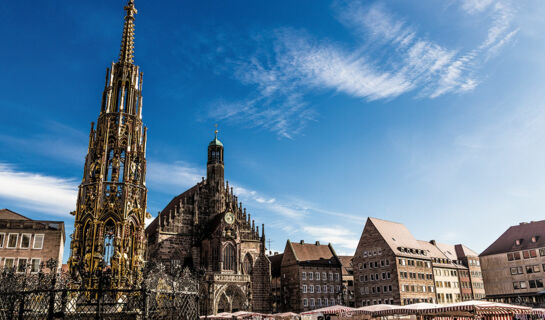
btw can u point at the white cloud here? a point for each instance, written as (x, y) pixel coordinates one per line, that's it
(338, 236)
(390, 58)
(168, 176)
(475, 6)
(52, 195)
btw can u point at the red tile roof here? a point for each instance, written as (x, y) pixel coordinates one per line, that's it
(312, 252)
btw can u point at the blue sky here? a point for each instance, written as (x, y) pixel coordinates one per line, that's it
(429, 113)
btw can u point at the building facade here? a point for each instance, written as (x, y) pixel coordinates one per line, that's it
(111, 206)
(26, 244)
(464, 280)
(310, 277)
(513, 267)
(207, 229)
(276, 282)
(390, 267)
(348, 281)
(470, 259)
(445, 274)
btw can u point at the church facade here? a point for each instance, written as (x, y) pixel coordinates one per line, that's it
(207, 229)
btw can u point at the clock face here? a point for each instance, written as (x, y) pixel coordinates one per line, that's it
(229, 217)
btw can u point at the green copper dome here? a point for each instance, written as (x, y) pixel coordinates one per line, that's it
(215, 142)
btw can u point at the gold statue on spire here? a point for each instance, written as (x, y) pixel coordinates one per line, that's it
(216, 131)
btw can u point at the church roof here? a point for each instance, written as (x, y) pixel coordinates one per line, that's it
(523, 232)
(215, 142)
(171, 205)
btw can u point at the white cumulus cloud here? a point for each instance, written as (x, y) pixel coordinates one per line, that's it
(48, 194)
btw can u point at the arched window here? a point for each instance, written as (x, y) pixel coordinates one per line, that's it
(109, 237)
(248, 264)
(229, 258)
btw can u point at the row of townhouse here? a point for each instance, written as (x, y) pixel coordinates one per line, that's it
(391, 267)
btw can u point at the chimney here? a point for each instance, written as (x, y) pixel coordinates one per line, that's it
(317, 243)
(302, 242)
(432, 242)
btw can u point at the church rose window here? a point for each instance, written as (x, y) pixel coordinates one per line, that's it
(229, 258)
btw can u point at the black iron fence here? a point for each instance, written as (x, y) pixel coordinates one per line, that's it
(54, 295)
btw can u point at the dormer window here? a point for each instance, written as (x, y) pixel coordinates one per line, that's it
(535, 238)
(518, 242)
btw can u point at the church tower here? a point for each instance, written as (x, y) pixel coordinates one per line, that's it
(214, 167)
(111, 206)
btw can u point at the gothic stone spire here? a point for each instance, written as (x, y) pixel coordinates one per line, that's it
(127, 41)
(111, 206)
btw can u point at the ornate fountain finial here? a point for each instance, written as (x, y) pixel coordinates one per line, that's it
(127, 41)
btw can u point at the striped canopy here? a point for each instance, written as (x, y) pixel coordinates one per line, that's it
(331, 310)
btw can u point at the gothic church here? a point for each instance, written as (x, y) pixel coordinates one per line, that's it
(207, 229)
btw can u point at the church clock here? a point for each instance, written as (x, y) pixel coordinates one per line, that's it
(229, 217)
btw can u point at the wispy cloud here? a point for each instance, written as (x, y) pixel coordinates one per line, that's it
(475, 6)
(166, 177)
(390, 58)
(340, 237)
(48, 194)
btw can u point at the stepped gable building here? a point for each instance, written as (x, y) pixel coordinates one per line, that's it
(111, 206)
(25, 243)
(445, 274)
(207, 229)
(348, 281)
(513, 266)
(390, 266)
(311, 276)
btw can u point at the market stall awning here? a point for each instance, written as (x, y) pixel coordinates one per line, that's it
(331, 310)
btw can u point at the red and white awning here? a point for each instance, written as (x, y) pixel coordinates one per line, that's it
(332, 310)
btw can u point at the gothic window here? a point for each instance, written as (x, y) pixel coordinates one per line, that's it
(132, 243)
(121, 175)
(118, 100)
(229, 258)
(109, 168)
(248, 264)
(126, 97)
(109, 237)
